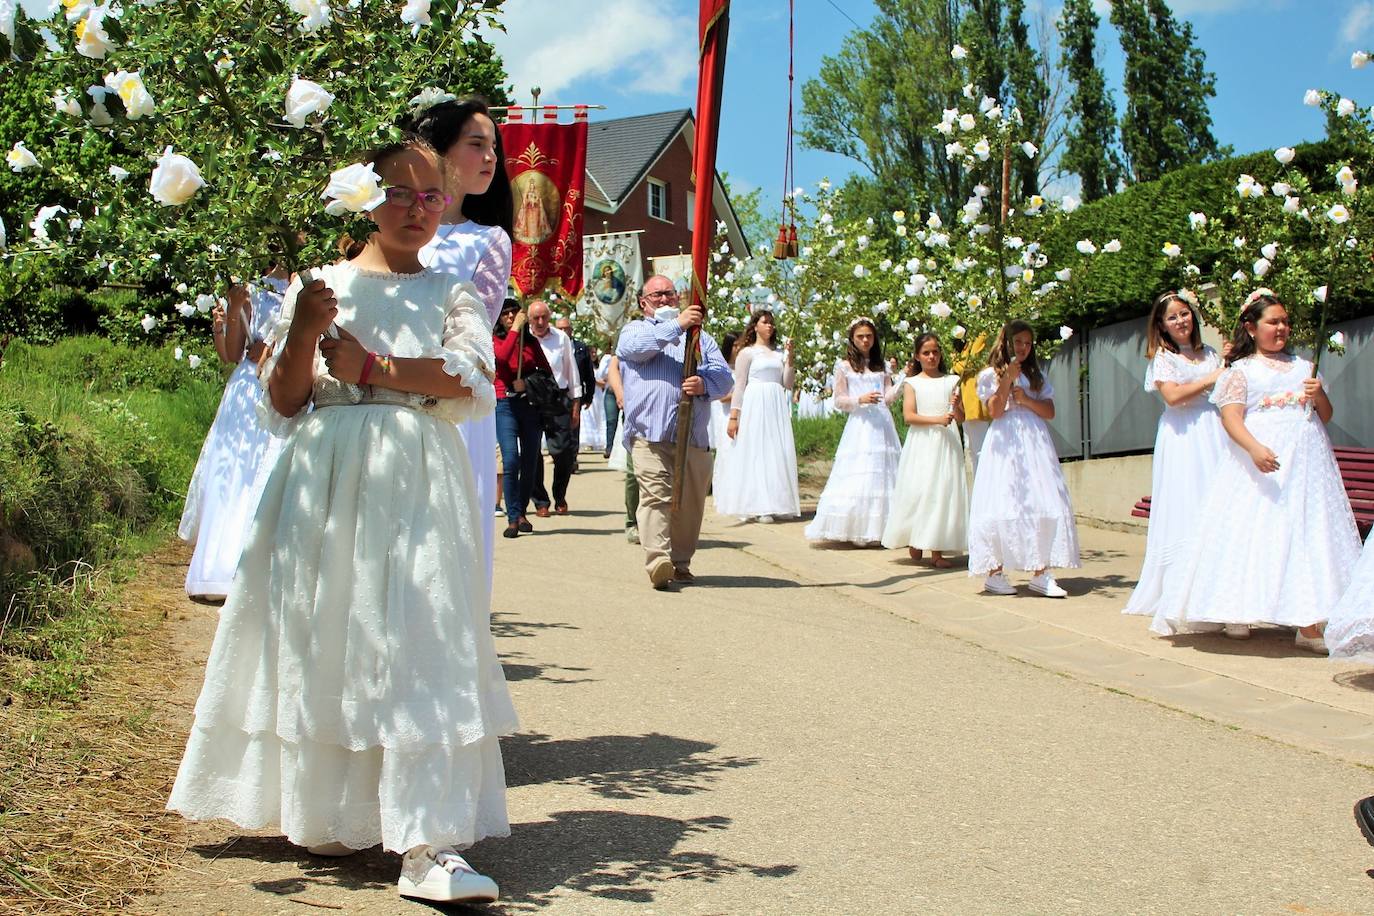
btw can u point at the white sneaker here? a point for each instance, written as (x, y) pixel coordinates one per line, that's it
(1044, 584)
(1238, 630)
(765, 519)
(1315, 644)
(439, 873)
(997, 584)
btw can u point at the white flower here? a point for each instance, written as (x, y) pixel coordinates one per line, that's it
(1281, 188)
(1238, 242)
(862, 242)
(314, 14)
(175, 180)
(1248, 187)
(994, 113)
(1350, 188)
(19, 158)
(823, 184)
(982, 149)
(117, 173)
(1065, 332)
(1239, 276)
(1063, 275)
(1359, 60)
(1338, 339)
(1030, 149)
(225, 62)
(1171, 250)
(1014, 242)
(919, 282)
(431, 96)
(1319, 294)
(193, 361)
(100, 115)
(934, 221)
(1085, 246)
(1112, 247)
(969, 90)
(1261, 267)
(66, 104)
(1197, 220)
(304, 98)
(958, 332)
(859, 270)
(1284, 154)
(91, 38)
(1270, 251)
(1312, 97)
(176, 354)
(132, 92)
(1192, 270)
(1346, 175)
(1012, 271)
(185, 309)
(967, 122)
(1352, 243)
(901, 231)
(886, 264)
(1338, 214)
(1291, 204)
(1069, 203)
(945, 127)
(826, 219)
(1345, 108)
(940, 310)
(981, 190)
(415, 14)
(957, 52)
(181, 288)
(988, 104)
(39, 224)
(204, 303)
(148, 322)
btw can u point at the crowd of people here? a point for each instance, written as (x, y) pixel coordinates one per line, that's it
(387, 407)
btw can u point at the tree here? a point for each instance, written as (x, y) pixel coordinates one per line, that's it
(1028, 81)
(1090, 149)
(1166, 124)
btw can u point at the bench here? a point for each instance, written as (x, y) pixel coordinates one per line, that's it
(1357, 473)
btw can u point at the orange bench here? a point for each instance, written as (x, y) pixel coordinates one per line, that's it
(1357, 473)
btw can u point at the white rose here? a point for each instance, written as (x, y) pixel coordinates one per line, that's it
(995, 113)
(1197, 220)
(1065, 332)
(100, 115)
(1345, 175)
(1030, 149)
(304, 98)
(1085, 246)
(899, 216)
(1338, 214)
(39, 224)
(1345, 108)
(1112, 247)
(1338, 339)
(1171, 250)
(1238, 242)
(967, 122)
(1281, 188)
(193, 361)
(958, 332)
(204, 303)
(859, 270)
(974, 301)
(1069, 203)
(982, 149)
(66, 104)
(1291, 204)
(1359, 60)
(185, 309)
(132, 92)
(19, 158)
(1270, 251)
(1319, 294)
(415, 14)
(1063, 275)
(176, 354)
(901, 231)
(940, 309)
(117, 173)
(1312, 97)
(175, 180)
(981, 190)
(91, 38)
(1261, 267)
(1349, 188)
(314, 14)
(148, 322)
(957, 52)
(1239, 276)
(1284, 154)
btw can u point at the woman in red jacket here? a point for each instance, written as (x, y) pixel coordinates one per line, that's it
(518, 426)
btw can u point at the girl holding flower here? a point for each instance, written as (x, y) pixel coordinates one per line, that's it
(1281, 539)
(353, 695)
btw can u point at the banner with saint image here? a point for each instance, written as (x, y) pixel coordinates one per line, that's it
(615, 275)
(547, 164)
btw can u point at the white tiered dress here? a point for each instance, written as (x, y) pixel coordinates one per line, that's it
(480, 255)
(1188, 449)
(762, 475)
(854, 505)
(235, 460)
(1020, 516)
(353, 693)
(930, 503)
(1279, 548)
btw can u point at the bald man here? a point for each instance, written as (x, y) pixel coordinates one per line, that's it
(563, 439)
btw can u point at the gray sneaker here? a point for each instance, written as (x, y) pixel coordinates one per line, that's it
(632, 534)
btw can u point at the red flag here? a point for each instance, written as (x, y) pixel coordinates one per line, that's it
(713, 29)
(547, 164)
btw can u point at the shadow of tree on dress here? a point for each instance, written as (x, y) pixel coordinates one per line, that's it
(617, 766)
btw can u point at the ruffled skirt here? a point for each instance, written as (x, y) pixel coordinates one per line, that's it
(854, 504)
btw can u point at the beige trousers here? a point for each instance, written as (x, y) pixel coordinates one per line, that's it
(665, 533)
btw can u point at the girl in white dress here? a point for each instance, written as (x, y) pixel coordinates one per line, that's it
(1188, 446)
(1019, 514)
(1280, 539)
(762, 480)
(930, 504)
(473, 243)
(353, 695)
(720, 441)
(592, 429)
(854, 504)
(238, 452)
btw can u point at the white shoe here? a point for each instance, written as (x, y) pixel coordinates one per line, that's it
(997, 584)
(500, 512)
(765, 519)
(1315, 644)
(439, 873)
(1044, 584)
(1237, 630)
(661, 573)
(333, 850)
(1205, 628)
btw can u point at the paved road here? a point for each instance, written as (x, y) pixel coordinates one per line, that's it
(837, 731)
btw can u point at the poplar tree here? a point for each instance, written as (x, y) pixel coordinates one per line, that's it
(1090, 148)
(1031, 93)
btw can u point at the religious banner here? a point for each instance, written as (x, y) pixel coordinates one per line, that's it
(547, 164)
(615, 274)
(676, 267)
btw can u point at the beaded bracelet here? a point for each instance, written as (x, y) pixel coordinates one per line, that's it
(385, 363)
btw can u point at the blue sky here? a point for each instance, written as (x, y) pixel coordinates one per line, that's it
(639, 56)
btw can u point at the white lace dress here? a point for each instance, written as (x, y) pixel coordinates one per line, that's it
(1278, 548)
(353, 693)
(854, 505)
(762, 474)
(1020, 516)
(1188, 449)
(1350, 631)
(234, 463)
(930, 502)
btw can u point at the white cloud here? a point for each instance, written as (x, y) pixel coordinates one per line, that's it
(635, 45)
(1357, 22)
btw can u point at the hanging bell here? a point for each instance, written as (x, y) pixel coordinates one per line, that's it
(780, 245)
(792, 248)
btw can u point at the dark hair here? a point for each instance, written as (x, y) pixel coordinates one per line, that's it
(1003, 353)
(875, 353)
(509, 305)
(921, 342)
(442, 125)
(751, 334)
(727, 346)
(1242, 341)
(1157, 336)
(350, 247)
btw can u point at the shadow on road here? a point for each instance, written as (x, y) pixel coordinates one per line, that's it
(1356, 680)
(504, 625)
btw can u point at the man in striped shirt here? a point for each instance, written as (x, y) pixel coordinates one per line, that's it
(651, 353)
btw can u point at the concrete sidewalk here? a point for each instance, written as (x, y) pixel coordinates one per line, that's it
(834, 731)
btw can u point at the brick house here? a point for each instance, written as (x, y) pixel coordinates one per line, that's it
(639, 176)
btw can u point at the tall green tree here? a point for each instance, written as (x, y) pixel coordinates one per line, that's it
(1167, 123)
(1090, 148)
(1028, 81)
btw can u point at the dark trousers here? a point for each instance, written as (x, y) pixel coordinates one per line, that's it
(563, 450)
(519, 431)
(612, 418)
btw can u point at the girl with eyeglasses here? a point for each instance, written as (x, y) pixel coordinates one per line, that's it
(353, 695)
(1188, 445)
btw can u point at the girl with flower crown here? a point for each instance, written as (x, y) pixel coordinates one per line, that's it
(1188, 445)
(1280, 539)
(854, 504)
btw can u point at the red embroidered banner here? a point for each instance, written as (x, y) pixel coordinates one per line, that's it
(547, 164)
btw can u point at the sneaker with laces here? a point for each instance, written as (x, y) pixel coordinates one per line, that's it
(440, 874)
(1044, 584)
(997, 584)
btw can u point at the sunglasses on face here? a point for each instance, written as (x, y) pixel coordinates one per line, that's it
(432, 201)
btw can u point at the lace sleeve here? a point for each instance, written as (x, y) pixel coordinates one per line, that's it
(493, 275)
(1230, 388)
(1163, 368)
(742, 362)
(987, 384)
(840, 387)
(467, 354)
